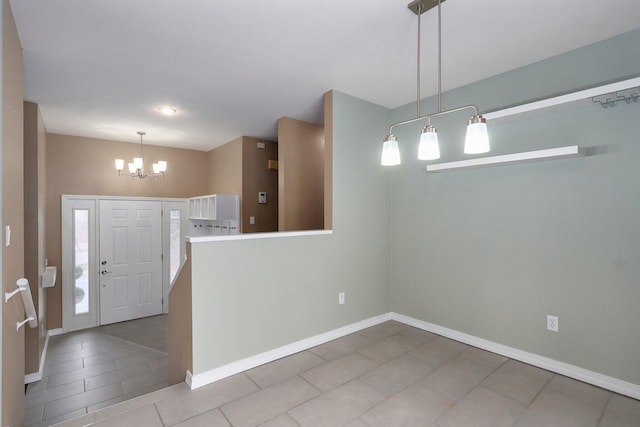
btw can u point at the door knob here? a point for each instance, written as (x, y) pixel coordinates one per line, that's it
(103, 262)
(104, 272)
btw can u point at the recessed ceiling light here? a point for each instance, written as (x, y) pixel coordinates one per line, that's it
(169, 111)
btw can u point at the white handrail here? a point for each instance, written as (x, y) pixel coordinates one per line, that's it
(27, 302)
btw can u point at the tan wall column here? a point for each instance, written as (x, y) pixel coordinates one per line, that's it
(300, 175)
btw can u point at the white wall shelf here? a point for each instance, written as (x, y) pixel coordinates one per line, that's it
(545, 106)
(524, 157)
(558, 103)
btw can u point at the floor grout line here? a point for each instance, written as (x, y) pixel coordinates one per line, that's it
(136, 344)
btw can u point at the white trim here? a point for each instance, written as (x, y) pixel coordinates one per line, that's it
(32, 378)
(54, 332)
(213, 375)
(95, 197)
(254, 236)
(581, 374)
(524, 157)
(37, 376)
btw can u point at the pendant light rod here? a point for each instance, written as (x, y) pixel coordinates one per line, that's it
(418, 66)
(477, 138)
(439, 57)
(141, 172)
(419, 7)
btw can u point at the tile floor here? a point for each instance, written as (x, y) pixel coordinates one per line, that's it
(387, 375)
(150, 332)
(88, 370)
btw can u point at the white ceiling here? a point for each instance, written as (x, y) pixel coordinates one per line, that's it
(101, 68)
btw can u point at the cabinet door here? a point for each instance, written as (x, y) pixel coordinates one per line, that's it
(212, 208)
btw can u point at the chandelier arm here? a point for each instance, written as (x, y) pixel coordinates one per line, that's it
(428, 116)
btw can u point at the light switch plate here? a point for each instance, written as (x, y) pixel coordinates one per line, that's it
(7, 236)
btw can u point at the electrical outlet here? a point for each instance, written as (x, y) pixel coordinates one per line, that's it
(552, 323)
(341, 298)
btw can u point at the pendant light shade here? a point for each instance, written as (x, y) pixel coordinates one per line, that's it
(429, 149)
(477, 140)
(390, 151)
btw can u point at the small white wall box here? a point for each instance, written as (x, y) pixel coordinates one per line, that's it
(49, 277)
(262, 197)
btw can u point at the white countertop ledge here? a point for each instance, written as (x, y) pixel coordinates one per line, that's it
(254, 236)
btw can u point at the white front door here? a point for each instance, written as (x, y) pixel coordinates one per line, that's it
(130, 260)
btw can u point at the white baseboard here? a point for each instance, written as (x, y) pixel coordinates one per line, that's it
(37, 376)
(208, 377)
(53, 332)
(581, 374)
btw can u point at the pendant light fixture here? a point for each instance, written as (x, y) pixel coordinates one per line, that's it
(136, 168)
(477, 139)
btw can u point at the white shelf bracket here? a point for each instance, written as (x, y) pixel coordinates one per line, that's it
(24, 322)
(8, 295)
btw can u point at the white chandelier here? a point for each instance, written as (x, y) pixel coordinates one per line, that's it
(477, 139)
(136, 168)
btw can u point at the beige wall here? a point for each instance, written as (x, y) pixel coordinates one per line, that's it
(77, 165)
(256, 178)
(34, 229)
(225, 168)
(239, 167)
(300, 175)
(180, 324)
(13, 216)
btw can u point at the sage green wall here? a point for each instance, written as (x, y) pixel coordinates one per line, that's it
(490, 252)
(252, 296)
